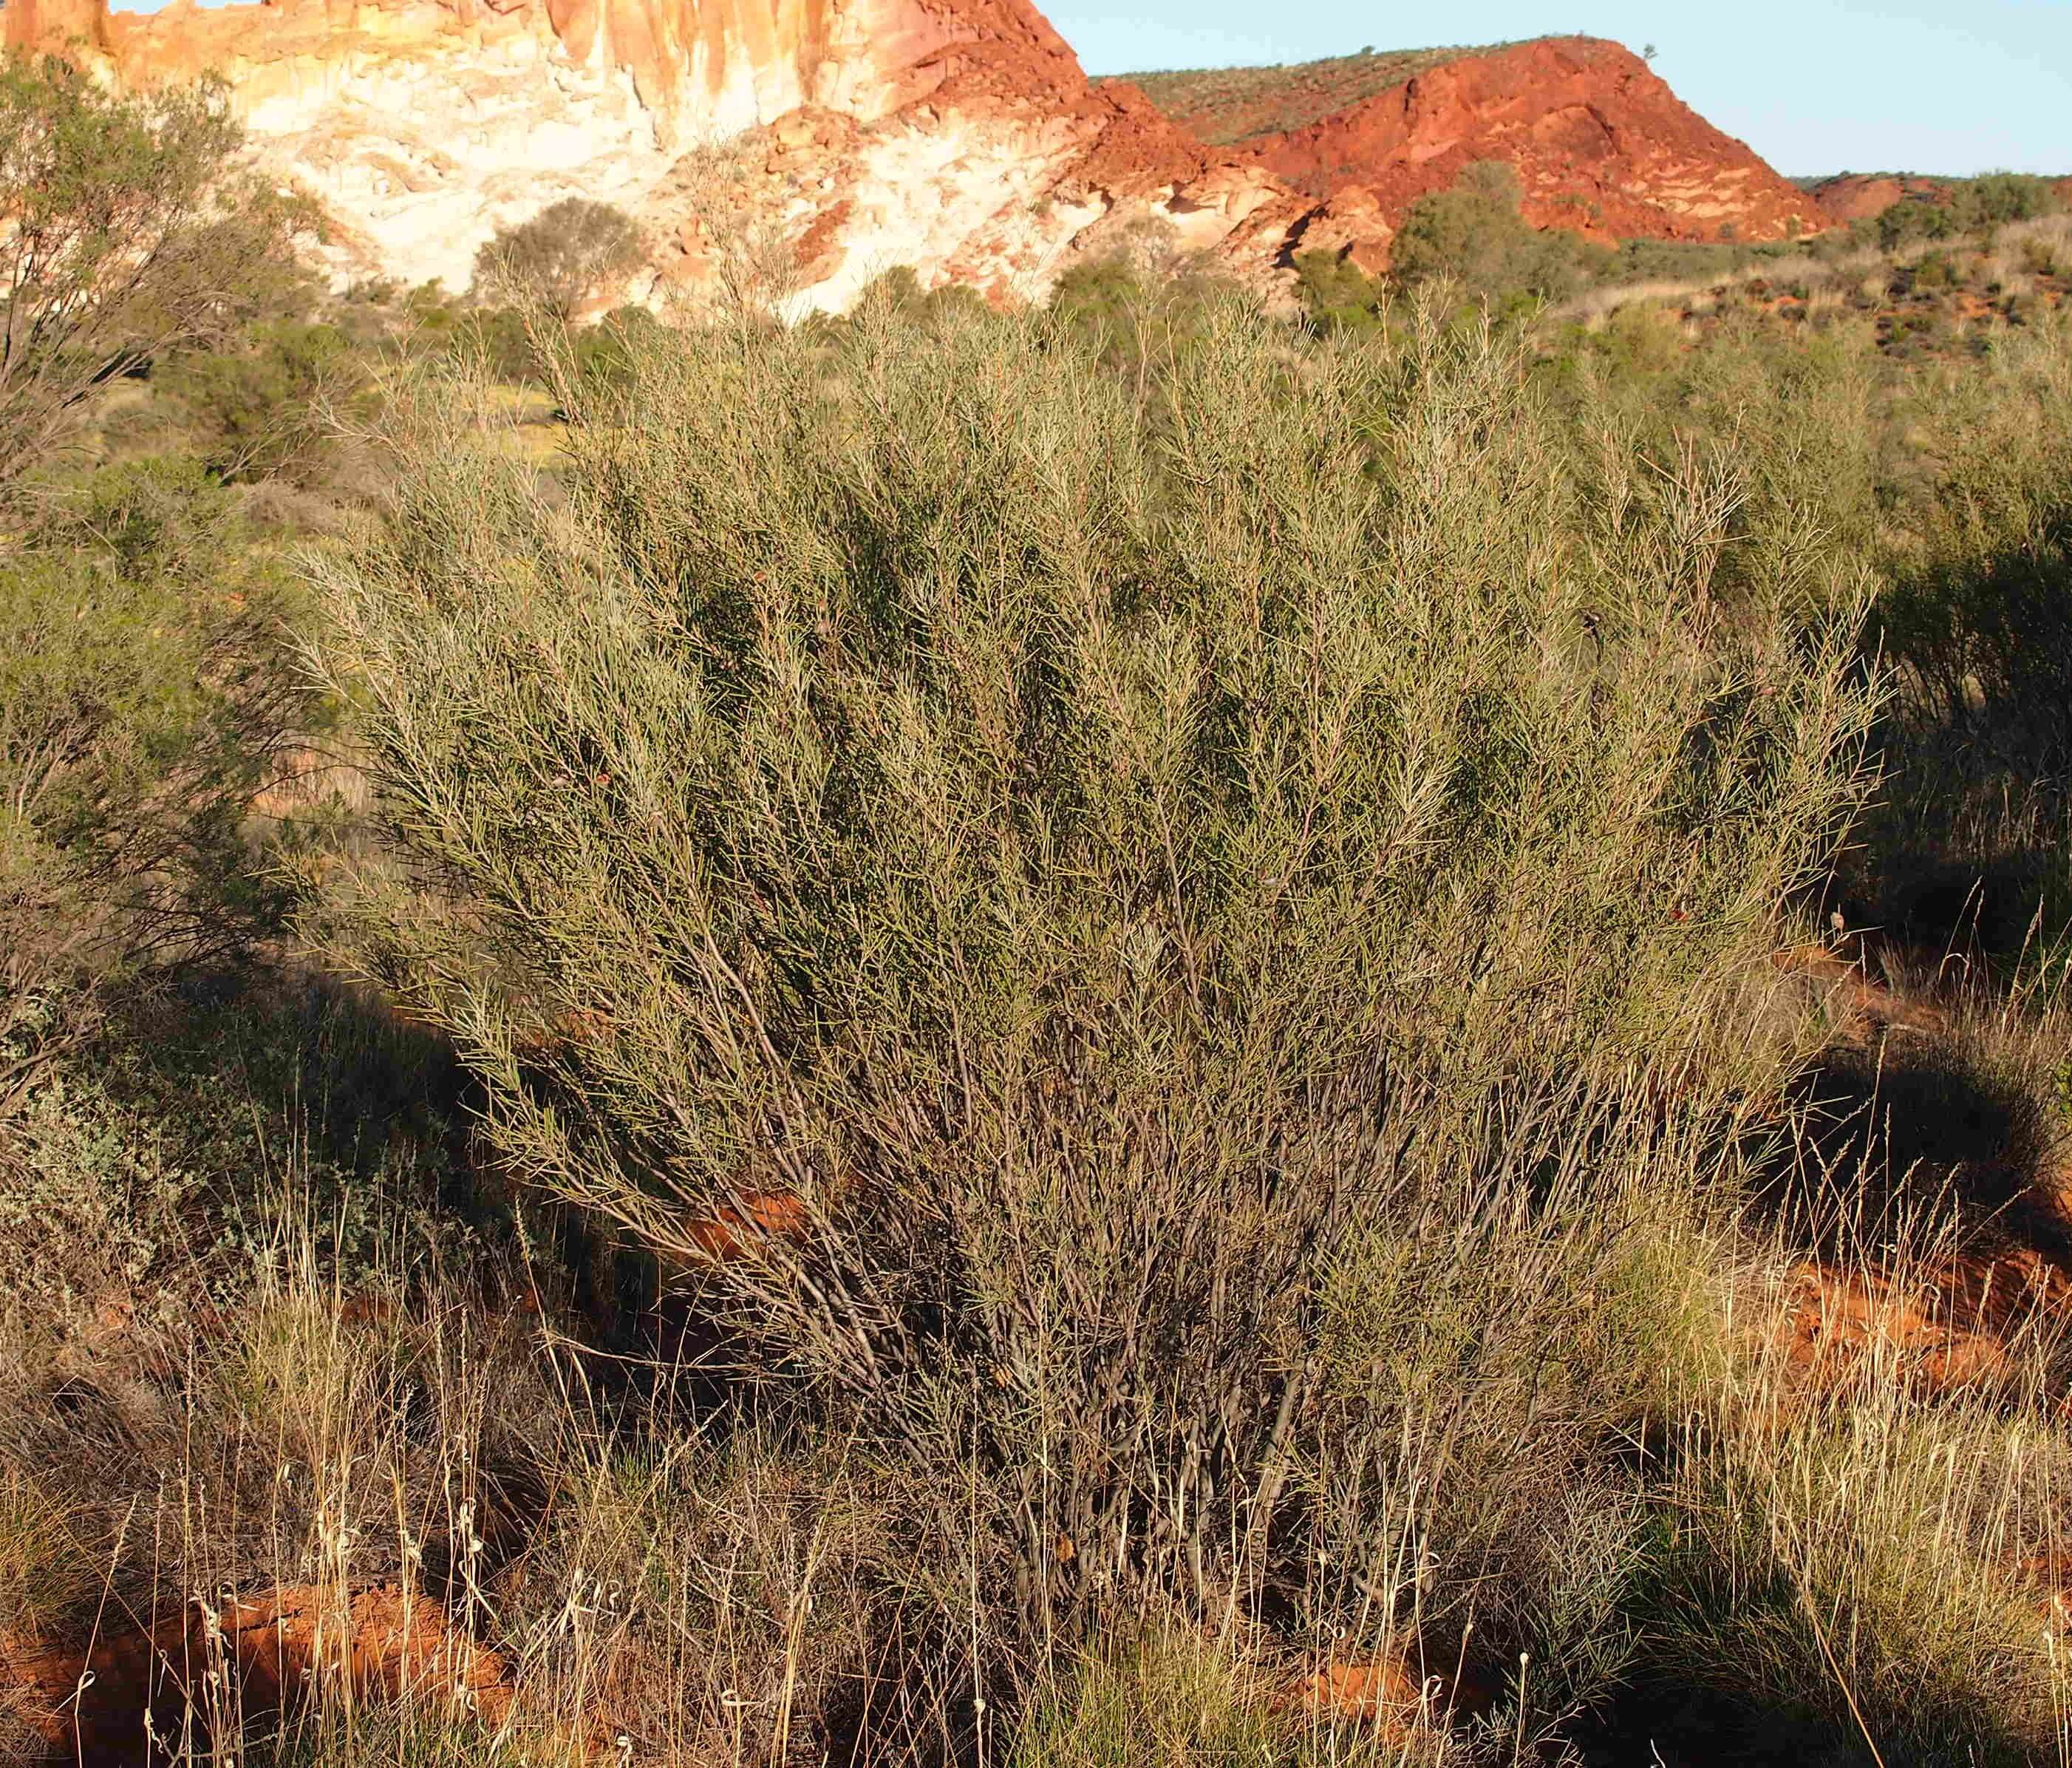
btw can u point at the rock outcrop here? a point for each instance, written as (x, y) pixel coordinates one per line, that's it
(830, 140)
(1850, 197)
(1601, 144)
(1863, 196)
(959, 137)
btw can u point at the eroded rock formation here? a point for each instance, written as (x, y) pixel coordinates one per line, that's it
(959, 136)
(1863, 196)
(1601, 144)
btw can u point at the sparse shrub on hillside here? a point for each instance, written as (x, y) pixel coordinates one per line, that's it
(1962, 207)
(1473, 235)
(1935, 270)
(1225, 104)
(2047, 254)
(569, 253)
(127, 232)
(1178, 881)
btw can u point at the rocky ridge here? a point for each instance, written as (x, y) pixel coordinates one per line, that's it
(959, 136)
(1849, 197)
(1600, 144)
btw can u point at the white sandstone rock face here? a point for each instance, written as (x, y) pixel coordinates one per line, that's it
(422, 160)
(963, 202)
(957, 136)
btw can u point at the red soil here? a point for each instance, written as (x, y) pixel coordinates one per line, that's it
(1949, 1329)
(90, 1703)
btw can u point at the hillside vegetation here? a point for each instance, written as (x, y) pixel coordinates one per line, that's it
(1141, 1032)
(1225, 106)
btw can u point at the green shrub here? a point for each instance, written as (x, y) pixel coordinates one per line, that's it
(1954, 208)
(1475, 235)
(1934, 271)
(148, 695)
(1140, 319)
(564, 256)
(271, 405)
(1337, 295)
(602, 354)
(1165, 876)
(497, 338)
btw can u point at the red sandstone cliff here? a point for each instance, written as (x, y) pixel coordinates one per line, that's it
(1600, 144)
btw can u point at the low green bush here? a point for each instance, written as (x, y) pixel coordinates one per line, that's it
(149, 693)
(1473, 235)
(1337, 296)
(272, 405)
(1166, 867)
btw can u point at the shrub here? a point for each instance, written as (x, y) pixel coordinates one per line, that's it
(1954, 207)
(603, 354)
(1178, 886)
(1337, 295)
(562, 257)
(1934, 271)
(1785, 423)
(1980, 617)
(148, 694)
(269, 406)
(1142, 322)
(129, 234)
(899, 290)
(1473, 235)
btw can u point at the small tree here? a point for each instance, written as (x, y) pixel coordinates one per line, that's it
(123, 232)
(565, 254)
(1473, 234)
(267, 407)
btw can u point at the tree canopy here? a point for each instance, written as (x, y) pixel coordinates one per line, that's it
(128, 226)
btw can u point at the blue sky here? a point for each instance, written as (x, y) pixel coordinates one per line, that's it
(1812, 85)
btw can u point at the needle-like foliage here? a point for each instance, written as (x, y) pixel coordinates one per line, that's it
(1108, 886)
